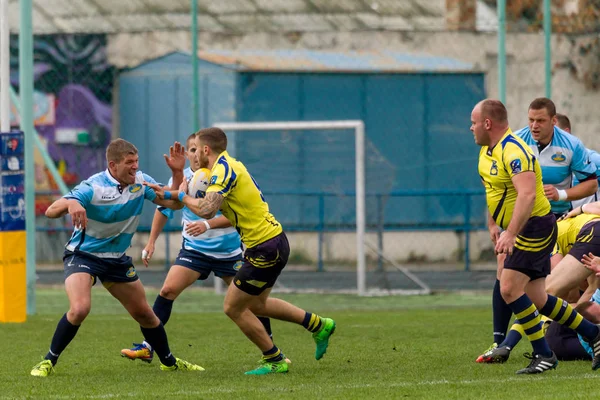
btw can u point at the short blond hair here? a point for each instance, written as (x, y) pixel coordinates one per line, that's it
(118, 149)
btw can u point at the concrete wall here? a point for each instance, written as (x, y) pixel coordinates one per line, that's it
(340, 248)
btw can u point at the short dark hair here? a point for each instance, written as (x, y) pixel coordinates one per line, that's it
(563, 121)
(191, 137)
(543, 102)
(214, 138)
(118, 149)
(494, 110)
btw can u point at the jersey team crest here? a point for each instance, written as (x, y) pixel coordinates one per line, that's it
(494, 168)
(558, 157)
(515, 166)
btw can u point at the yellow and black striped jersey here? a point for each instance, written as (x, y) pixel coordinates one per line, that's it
(568, 232)
(244, 205)
(497, 166)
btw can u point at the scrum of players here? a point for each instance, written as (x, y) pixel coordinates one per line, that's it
(570, 173)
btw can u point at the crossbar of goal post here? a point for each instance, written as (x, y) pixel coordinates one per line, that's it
(359, 129)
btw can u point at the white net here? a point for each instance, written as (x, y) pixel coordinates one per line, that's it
(307, 172)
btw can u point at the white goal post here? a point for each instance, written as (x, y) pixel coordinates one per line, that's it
(359, 130)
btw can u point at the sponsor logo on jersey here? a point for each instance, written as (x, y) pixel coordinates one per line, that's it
(213, 179)
(135, 188)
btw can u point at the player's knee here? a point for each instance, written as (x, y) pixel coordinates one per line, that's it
(144, 316)
(508, 292)
(78, 312)
(552, 288)
(169, 292)
(230, 311)
(556, 288)
(258, 308)
(233, 311)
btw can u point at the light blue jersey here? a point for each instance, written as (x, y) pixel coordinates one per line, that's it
(217, 243)
(584, 343)
(113, 213)
(594, 158)
(564, 157)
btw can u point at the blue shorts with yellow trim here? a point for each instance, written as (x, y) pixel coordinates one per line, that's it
(108, 270)
(533, 247)
(204, 264)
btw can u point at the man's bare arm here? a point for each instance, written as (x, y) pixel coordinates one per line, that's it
(207, 207)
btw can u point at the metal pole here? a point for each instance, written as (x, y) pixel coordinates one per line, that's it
(501, 9)
(467, 232)
(547, 46)
(38, 143)
(26, 85)
(321, 233)
(380, 225)
(4, 67)
(195, 73)
(361, 267)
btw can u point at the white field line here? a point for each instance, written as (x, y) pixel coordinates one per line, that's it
(549, 376)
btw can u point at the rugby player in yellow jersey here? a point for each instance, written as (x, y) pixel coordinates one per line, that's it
(233, 190)
(578, 235)
(512, 178)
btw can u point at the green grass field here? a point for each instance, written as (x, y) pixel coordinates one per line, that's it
(386, 347)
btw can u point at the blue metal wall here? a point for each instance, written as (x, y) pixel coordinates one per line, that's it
(418, 139)
(417, 126)
(155, 109)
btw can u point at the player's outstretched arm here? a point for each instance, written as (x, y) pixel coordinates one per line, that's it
(207, 207)
(590, 208)
(63, 206)
(164, 197)
(58, 209)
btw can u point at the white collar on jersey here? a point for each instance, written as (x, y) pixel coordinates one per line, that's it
(113, 180)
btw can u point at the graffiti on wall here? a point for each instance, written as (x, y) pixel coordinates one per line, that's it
(73, 85)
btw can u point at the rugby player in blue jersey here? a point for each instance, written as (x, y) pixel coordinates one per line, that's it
(105, 212)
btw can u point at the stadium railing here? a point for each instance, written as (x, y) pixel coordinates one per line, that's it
(467, 223)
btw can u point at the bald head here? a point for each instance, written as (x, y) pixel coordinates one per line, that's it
(489, 122)
(493, 110)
